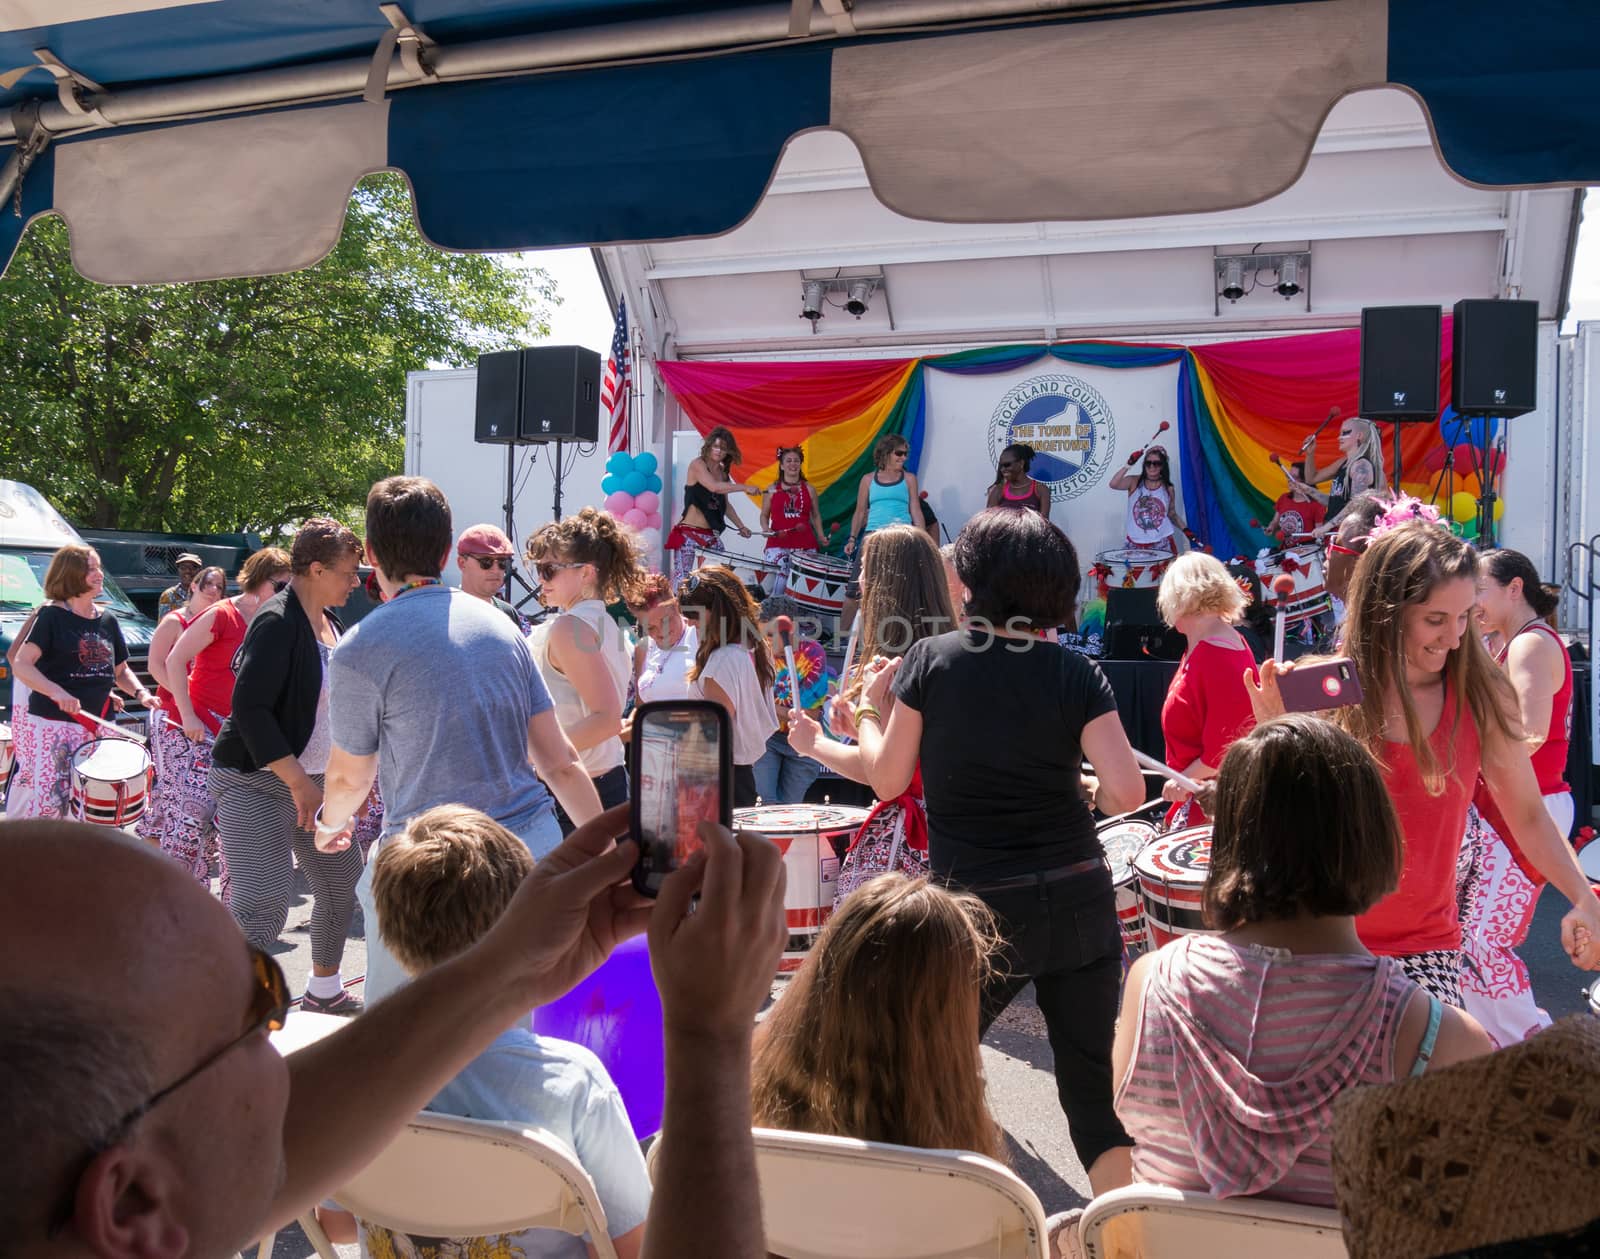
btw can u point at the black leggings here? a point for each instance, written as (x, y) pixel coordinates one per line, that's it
(1062, 937)
(612, 788)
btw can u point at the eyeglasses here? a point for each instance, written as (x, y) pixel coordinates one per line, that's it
(279, 585)
(547, 569)
(269, 1007)
(486, 562)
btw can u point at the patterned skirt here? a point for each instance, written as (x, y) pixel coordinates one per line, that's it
(181, 818)
(44, 751)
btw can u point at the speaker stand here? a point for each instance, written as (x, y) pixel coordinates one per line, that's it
(1446, 479)
(556, 506)
(1397, 458)
(513, 577)
(1486, 494)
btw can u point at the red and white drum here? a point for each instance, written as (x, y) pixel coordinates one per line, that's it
(1589, 862)
(817, 581)
(111, 781)
(752, 570)
(1303, 566)
(1131, 568)
(1123, 842)
(812, 838)
(1172, 875)
(6, 754)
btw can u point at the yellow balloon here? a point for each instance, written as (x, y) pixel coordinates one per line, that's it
(1463, 507)
(1499, 508)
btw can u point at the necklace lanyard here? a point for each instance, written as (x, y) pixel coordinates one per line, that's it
(418, 585)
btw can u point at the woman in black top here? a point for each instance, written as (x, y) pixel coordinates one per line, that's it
(1000, 720)
(73, 656)
(268, 764)
(706, 510)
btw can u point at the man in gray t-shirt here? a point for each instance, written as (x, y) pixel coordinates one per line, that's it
(436, 694)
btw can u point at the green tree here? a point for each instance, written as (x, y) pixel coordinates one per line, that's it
(241, 404)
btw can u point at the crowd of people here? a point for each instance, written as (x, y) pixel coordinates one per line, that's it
(1373, 867)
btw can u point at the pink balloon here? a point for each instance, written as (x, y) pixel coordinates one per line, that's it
(633, 516)
(619, 503)
(654, 521)
(649, 501)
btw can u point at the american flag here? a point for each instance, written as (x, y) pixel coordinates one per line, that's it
(614, 385)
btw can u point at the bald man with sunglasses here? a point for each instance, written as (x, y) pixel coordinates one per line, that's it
(145, 1115)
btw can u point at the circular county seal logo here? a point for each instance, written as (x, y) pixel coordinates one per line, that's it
(1067, 423)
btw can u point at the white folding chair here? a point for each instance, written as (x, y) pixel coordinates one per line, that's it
(449, 1177)
(1154, 1222)
(834, 1198)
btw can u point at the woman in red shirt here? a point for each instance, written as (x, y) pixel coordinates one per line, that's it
(1501, 887)
(791, 514)
(1208, 704)
(1436, 714)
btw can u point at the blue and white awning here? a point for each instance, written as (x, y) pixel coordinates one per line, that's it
(192, 139)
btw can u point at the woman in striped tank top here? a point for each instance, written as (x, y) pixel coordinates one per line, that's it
(1232, 1047)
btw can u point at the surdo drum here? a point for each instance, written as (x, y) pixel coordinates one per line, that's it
(813, 838)
(817, 581)
(1131, 568)
(111, 782)
(1171, 872)
(1303, 566)
(751, 570)
(1123, 842)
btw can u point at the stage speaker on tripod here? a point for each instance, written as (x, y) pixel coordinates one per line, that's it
(1496, 367)
(545, 393)
(1400, 362)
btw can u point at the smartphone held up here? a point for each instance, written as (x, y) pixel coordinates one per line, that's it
(680, 761)
(1312, 688)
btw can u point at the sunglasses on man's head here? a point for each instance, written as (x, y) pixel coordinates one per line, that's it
(486, 562)
(268, 1008)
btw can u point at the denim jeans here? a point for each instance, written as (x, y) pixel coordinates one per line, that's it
(782, 774)
(385, 975)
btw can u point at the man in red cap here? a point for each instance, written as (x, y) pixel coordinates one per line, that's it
(485, 554)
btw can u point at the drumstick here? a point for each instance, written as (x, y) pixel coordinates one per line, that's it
(1167, 772)
(1283, 587)
(120, 731)
(850, 649)
(205, 735)
(1160, 429)
(785, 627)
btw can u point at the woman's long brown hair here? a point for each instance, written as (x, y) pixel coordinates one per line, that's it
(876, 1037)
(723, 612)
(904, 597)
(1399, 570)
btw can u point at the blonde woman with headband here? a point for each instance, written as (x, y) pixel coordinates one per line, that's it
(1358, 469)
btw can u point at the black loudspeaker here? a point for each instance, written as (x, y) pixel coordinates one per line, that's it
(499, 397)
(560, 394)
(1400, 362)
(1496, 358)
(1134, 630)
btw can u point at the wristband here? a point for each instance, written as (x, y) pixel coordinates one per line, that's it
(866, 711)
(320, 827)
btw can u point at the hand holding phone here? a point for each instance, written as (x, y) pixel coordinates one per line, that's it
(680, 761)
(1313, 688)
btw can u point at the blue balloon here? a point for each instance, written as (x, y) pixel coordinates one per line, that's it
(633, 483)
(1452, 427)
(621, 461)
(610, 483)
(644, 462)
(652, 482)
(616, 1015)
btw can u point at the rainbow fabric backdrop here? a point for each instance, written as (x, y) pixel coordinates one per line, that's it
(1237, 402)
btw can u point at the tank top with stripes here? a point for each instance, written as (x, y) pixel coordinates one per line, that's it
(1239, 1054)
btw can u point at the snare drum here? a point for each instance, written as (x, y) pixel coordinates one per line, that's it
(751, 570)
(1303, 566)
(5, 752)
(817, 581)
(1172, 875)
(813, 838)
(111, 781)
(1131, 568)
(1589, 862)
(1123, 842)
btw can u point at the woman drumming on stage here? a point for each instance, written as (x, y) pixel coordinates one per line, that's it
(1013, 488)
(1357, 470)
(706, 510)
(790, 512)
(1502, 887)
(1437, 713)
(1151, 522)
(1207, 705)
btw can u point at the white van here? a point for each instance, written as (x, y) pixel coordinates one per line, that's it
(31, 531)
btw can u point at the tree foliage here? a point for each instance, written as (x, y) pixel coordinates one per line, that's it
(240, 404)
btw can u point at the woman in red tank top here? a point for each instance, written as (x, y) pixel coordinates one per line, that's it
(790, 512)
(1436, 714)
(1499, 886)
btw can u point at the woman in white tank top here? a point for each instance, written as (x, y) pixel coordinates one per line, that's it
(583, 561)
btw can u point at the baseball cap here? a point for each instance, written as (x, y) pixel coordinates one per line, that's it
(484, 540)
(188, 557)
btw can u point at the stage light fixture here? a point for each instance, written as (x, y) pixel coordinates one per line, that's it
(811, 301)
(1288, 277)
(859, 295)
(1233, 279)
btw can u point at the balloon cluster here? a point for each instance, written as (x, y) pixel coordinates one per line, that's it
(633, 491)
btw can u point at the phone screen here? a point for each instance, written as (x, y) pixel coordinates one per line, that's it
(682, 777)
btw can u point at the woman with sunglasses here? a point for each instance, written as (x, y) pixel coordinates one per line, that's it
(1151, 522)
(1013, 488)
(200, 666)
(583, 562)
(1358, 469)
(706, 510)
(483, 554)
(885, 496)
(790, 512)
(180, 806)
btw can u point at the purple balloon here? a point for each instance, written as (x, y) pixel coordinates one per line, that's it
(616, 1015)
(619, 503)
